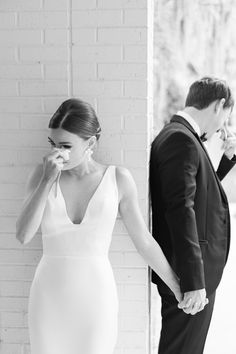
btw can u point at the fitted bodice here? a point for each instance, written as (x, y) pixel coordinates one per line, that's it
(91, 237)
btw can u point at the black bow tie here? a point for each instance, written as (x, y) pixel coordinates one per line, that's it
(203, 137)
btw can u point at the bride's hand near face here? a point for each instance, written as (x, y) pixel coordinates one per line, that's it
(38, 186)
(53, 163)
(144, 242)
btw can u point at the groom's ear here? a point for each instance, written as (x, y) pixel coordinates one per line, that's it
(218, 105)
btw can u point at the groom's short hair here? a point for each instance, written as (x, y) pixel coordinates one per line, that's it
(207, 90)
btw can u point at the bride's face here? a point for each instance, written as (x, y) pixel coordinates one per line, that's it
(62, 139)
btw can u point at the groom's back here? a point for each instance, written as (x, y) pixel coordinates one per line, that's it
(187, 202)
(158, 155)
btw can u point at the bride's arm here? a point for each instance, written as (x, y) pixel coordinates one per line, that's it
(30, 216)
(37, 188)
(144, 242)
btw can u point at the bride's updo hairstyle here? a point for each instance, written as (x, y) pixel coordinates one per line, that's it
(77, 117)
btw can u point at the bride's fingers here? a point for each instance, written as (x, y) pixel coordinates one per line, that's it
(201, 307)
(54, 153)
(195, 308)
(185, 303)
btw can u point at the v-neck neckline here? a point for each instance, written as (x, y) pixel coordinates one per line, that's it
(89, 203)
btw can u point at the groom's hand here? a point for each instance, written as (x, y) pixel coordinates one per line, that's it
(193, 301)
(229, 139)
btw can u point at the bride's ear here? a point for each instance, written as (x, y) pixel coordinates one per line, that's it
(92, 142)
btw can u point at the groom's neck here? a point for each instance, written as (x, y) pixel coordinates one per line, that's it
(199, 116)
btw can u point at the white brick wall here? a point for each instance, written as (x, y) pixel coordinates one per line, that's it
(53, 49)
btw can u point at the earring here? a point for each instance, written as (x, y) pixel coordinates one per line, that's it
(89, 153)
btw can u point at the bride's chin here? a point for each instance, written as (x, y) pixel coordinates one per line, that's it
(68, 166)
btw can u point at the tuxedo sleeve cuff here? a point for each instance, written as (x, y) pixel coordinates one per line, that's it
(192, 277)
(225, 166)
(234, 159)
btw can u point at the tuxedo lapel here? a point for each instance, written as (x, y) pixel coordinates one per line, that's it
(181, 120)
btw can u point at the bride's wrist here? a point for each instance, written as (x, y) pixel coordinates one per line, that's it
(176, 285)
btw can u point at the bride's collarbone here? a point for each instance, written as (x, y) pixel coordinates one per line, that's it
(75, 190)
(80, 191)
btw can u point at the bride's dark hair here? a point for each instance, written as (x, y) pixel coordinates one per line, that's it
(77, 117)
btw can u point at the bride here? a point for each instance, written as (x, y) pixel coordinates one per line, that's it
(73, 302)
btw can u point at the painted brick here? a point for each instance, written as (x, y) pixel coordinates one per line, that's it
(121, 4)
(85, 36)
(134, 122)
(7, 20)
(34, 121)
(44, 19)
(135, 89)
(135, 17)
(85, 71)
(43, 88)
(9, 241)
(97, 18)
(80, 5)
(24, 139)
(59, 5)
(19, 37)
(11, 191)
(122, 35)
(57, 71)
(8, 88)
(134, 53)
(98, 88)
(11, 207)
(104, 54)
(9, 348)
(55, 37)
(122, 71)
(24, 5)
(43, 54)
(21, 71)
(119, 106)
(8, 55)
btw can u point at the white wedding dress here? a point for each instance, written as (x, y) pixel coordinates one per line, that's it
(73, 302)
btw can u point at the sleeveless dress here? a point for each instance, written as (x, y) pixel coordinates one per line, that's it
(73, 301)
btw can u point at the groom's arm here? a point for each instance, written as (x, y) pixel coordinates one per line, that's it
(178, 165)
(225, 165)
(228, 159)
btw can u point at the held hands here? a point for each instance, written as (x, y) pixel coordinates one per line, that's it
(193, 301)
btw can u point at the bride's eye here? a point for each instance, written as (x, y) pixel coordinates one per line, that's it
(67, 146)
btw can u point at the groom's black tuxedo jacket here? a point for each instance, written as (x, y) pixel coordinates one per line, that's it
(190, 214)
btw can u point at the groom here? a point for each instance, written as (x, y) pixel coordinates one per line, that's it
(190, 215)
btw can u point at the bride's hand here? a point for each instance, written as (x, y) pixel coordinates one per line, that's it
(52, 165)
(178, 295)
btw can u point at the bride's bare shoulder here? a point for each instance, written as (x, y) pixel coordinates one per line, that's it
(122, 173)
(125, 180)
